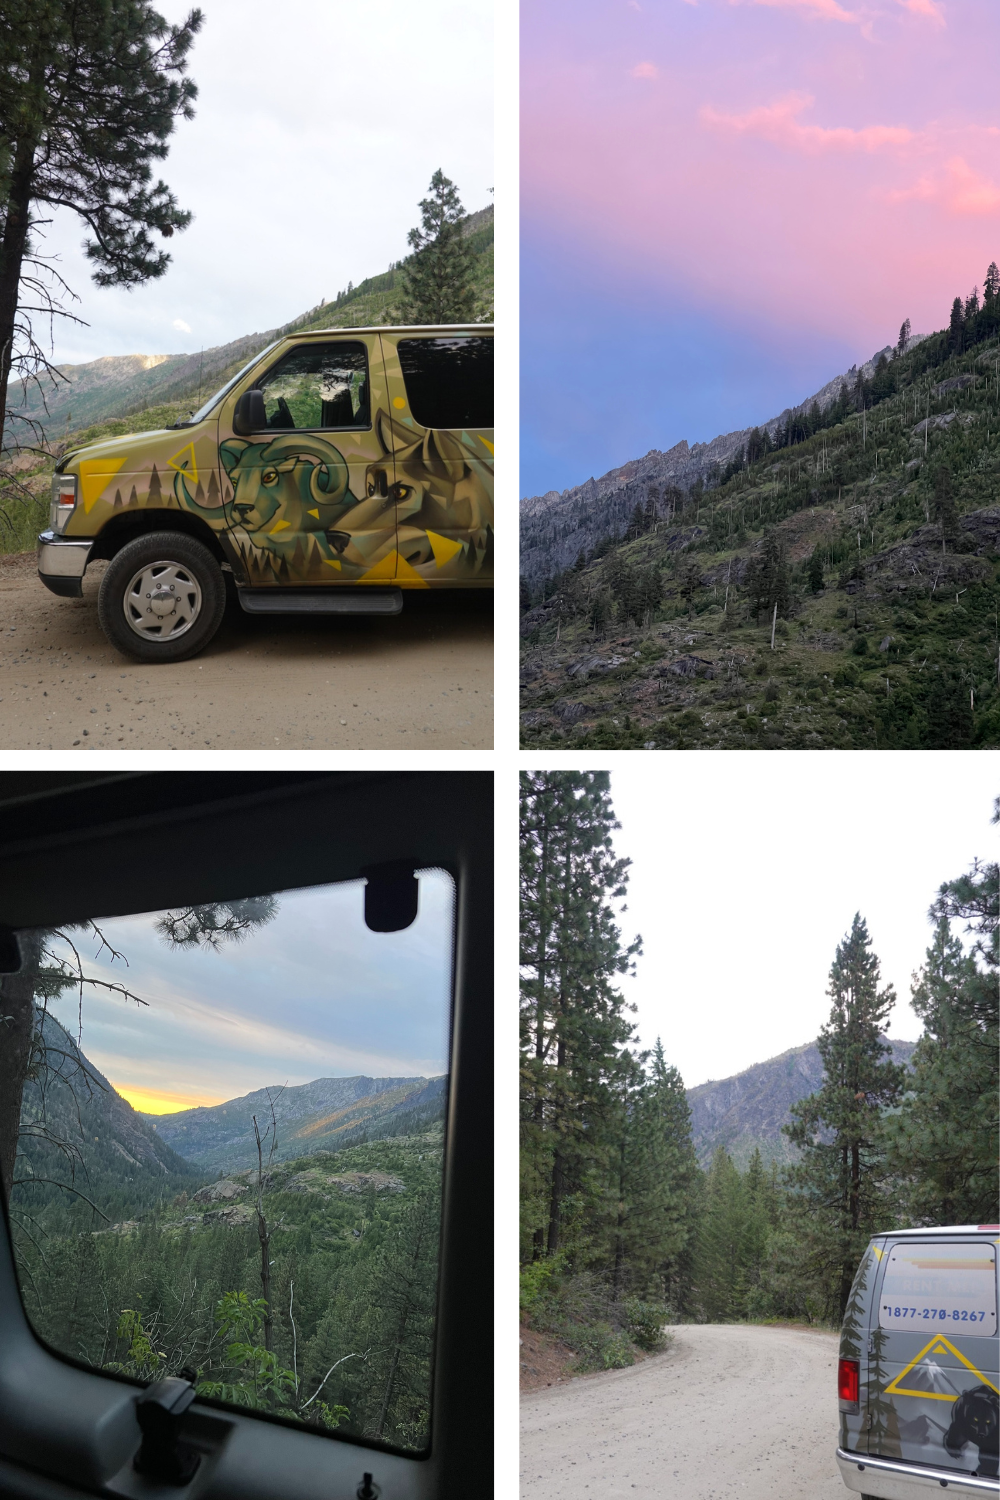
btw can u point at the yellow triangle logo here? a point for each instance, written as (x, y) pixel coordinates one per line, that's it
(334, 562)
(314, 513)
(280, 526)
(937, 1345)
(442, 547)
(185, 462)
(95, 475)
(486, 443)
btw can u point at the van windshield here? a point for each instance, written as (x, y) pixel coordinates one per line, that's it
(213, 401)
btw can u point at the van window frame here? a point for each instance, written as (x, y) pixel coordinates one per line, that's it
(60, 1420)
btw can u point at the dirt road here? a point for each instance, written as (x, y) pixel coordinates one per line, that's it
(727, 1413)
(422, 679)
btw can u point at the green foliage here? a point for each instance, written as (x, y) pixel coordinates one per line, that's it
(438, 284)
(842, 1174)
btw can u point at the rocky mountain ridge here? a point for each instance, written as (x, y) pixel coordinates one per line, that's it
(557, 526)
(327, 1113)
(747, 1111)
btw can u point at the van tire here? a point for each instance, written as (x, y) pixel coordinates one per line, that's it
(202, 581)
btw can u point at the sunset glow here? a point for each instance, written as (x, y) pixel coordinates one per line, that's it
(156, 1102)
(778, 179)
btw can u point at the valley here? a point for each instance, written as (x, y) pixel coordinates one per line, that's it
(308, 1292)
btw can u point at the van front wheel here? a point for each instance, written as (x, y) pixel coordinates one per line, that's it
(162, 597)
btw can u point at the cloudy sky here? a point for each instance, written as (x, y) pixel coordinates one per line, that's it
(318, 126)
(727, 202)
(747, 872)
(314, 994)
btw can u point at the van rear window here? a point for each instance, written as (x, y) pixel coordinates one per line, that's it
(938, 1283)
(449, 381)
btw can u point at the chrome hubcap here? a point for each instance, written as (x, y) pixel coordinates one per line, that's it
(162, 601)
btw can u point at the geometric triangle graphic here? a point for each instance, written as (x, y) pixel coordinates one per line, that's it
(95, 476)
(937, 1345)
(442, 547)
(188, 463)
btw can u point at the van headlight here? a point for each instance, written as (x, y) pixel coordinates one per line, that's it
(63, 500)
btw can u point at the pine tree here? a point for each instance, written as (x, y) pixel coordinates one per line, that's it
(690, 584)
(991, 286)
(904, 337)
(438, 278)
(842, 1173)
(652, 1176)
(815, 571)
(767, 578)
(956, 327)
(89, 92)
(573, 1019)
(944, 1141)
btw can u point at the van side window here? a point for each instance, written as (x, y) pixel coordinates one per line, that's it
(449, 381)
(318, 386)
(940, 1285)
(237, 1179)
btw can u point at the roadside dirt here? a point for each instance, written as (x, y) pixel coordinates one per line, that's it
(727, 1411)
(420, 680)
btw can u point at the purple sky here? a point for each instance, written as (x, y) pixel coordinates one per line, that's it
(725, 202)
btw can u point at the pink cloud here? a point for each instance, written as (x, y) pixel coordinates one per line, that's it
(961, 190)
(827, 10)
(928, 8)
(645, 70)
(779, 124)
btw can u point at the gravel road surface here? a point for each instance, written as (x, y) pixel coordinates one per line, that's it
(422, 679)
(727, 1413)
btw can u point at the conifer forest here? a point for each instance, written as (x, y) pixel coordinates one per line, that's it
(303, 1286)
(622, 1232)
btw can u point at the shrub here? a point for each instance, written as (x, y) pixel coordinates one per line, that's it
(771, 694)
(860, 647)
(645, 1321)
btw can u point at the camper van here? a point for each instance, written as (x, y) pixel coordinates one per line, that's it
(918, 1373)
(334, 471)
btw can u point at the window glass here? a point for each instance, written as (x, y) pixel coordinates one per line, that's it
(230, 1156)
(318, 385)
(449, 381)
(936, 1285)
(213, 401)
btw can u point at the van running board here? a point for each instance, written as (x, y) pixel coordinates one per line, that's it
(322, 602)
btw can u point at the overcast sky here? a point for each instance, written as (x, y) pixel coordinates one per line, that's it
(314, 994)
(747, 870)
(318, 126)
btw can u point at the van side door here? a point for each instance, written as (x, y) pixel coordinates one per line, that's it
(438, 431)
(309, 496)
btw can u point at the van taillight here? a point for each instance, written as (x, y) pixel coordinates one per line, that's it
(847, 1380)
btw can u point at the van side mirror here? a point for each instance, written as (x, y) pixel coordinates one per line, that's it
(250, 415)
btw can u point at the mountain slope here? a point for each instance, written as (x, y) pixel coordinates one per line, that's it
(122, 385)
(874, 527)
(749, 1109)
(77, 1131)
(324, 1115)
(556, 526)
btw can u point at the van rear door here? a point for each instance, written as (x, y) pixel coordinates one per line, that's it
(933, 1353)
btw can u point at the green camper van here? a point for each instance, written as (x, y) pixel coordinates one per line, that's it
(331, 473)
(918, 1378)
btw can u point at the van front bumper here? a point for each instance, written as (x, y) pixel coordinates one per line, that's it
(897, 1481)
(62, 562)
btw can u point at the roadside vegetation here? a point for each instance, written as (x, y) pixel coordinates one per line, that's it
(622, 1233)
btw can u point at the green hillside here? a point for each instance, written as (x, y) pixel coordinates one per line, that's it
(129, 393)
(874, 526)
(353, 1270)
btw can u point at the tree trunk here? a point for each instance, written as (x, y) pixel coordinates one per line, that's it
(555, 1202)
(15, 238)
(16, 1024)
